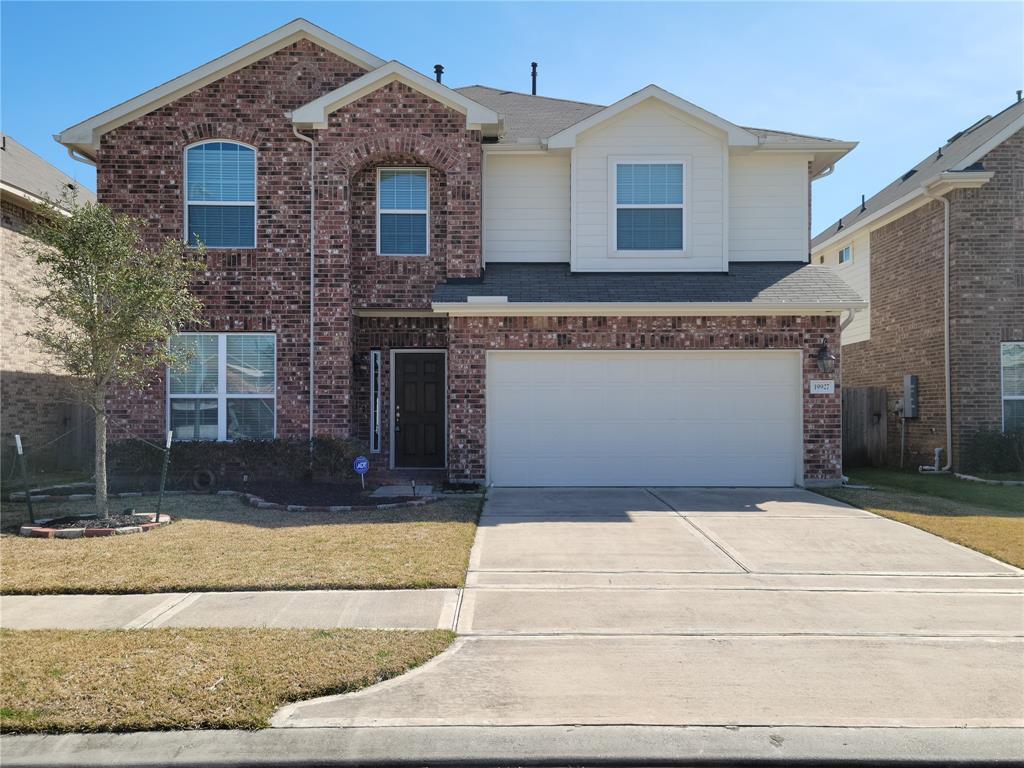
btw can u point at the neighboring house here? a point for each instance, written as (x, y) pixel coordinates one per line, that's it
(515, 289)
(34, 401)
(891, 249)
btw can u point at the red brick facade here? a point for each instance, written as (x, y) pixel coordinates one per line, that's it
(140, 169)
(986, 307)
(471, 338)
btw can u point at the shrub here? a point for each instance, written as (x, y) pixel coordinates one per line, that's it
(992, 451)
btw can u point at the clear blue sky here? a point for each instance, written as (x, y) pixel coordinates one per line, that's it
(898, 78)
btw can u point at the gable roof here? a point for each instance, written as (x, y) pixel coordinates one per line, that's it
(566, 138)
(314, 114)
(747, 286)
(955, 161)
(85, 136)
(530, 118)
(26, 175)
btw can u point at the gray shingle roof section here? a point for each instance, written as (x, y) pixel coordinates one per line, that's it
(539, 117)
(768, 283)
(957, 147)
(28, 172)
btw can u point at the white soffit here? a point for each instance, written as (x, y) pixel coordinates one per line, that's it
(85, 136)
(314, 114)
(737, 136)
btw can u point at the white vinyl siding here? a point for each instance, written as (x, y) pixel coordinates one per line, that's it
(857, 274)
(660, 134)
(526, 207)
(628, 418)
(226, 390)
(768, 207)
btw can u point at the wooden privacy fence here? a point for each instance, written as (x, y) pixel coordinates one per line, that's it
(864, 427)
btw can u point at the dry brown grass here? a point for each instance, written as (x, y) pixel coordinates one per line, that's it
(995, 532)
(218, 543)
(114, 680)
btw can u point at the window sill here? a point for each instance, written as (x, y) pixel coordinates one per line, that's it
(649, 254)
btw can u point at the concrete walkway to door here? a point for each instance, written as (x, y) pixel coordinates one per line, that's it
(668, 607)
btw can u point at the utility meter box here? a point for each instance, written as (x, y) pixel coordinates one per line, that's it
(910, 396)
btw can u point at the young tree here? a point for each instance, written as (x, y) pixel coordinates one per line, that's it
(106, 303)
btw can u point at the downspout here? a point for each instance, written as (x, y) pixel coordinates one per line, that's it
(312, 270)
(945, 328)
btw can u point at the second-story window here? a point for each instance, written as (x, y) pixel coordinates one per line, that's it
(220, 195)
(648, 206)
(846, 255)
(402, 212)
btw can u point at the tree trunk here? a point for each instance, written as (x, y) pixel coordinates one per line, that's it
(101, 452)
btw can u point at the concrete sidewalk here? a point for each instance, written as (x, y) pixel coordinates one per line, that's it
(313, 609)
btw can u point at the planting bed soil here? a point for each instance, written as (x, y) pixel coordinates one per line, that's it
(114, 521)
(317, 494)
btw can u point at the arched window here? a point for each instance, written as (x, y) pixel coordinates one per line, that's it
(220, 195)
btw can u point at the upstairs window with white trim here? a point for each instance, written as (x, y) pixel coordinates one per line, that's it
(226, 390)
(220, 195)
(649, 207)
(1012, 368)
(402, 212)
(846, 255)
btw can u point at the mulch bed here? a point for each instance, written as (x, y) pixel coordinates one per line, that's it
(317, 494)
(114, 521)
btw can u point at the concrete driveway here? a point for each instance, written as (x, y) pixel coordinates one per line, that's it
(667, 607)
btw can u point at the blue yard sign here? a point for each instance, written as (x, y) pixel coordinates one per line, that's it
(361, 465)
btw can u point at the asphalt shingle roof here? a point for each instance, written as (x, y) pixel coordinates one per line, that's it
(957, 147)
(27, 171)
(754, 282)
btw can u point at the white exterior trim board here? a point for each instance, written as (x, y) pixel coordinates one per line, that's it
(497, 308)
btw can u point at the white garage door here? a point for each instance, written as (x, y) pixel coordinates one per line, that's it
(643, 418)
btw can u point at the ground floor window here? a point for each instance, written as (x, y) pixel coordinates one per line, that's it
(375, 401)
(1012, 367)
(227, 388)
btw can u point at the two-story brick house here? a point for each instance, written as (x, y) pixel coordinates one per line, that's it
(517, 289)
(939, 252)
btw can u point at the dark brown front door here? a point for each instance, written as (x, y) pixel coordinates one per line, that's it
(419, 409)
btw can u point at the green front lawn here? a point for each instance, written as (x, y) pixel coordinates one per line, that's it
(151, 679)
(987, 518)
(219, 543)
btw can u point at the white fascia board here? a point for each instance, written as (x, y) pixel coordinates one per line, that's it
(641, 309)
(737, 136)
(939, 184)
(314, 114)
(24, 196)
(85, 136)
(1010, 129)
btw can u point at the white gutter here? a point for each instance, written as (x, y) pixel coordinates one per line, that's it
(74, 154)
(312, 270)
(500, 306)
(945, 327)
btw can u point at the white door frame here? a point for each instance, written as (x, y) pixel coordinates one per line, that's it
(797, 353)
(391, 403)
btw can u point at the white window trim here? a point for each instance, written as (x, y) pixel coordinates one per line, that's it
(843, 261)
(375, 379)
(613, 205)
(239, 203)
(425, 211)
(222, 396)
(1003, 397)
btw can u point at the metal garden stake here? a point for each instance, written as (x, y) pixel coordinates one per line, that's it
(163, 475)
(24, 477)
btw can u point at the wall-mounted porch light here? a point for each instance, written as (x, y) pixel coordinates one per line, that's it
(826, 360)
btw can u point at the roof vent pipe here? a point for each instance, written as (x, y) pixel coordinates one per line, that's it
(438, 71)
(1019, 95)
(939, 154)
(840, 225)
(533, 78)
(863, 205)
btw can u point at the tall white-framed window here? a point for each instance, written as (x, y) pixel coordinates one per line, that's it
(375, 400)
(1011, 366)
(846, 255)
(648, 205)
(403, 212)
(220, 194)
(226, 390)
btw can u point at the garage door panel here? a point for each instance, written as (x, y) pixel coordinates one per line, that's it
(643, 418)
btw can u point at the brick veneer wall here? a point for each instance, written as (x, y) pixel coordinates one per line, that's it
(987, 288)
(471, 337)
(35, 397)
(140, 170)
